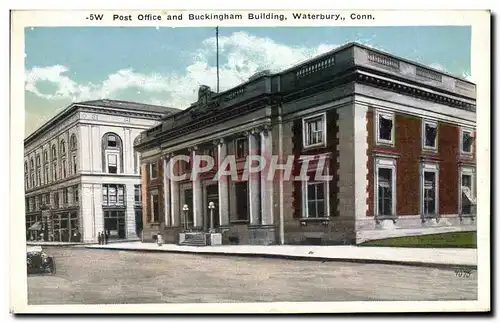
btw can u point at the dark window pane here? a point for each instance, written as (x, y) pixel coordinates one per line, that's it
(430, 135)
(311, 209)
(466, 142)
(385, 128)
(311, 192)
(241, 190)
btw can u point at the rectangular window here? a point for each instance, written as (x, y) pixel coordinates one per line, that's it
(242, 208)
(104, 195)
(137, 194)
(46, 174)
(76, 197)
(65, 196)
(429, 135)
(153, 170)
(314, 133)
(155, 206)
(315, 200)
(111, 141)
(64, 168)
(27, 204)
(30, 204)
(466, 141)
(429, 179)
(56, 199)
(467, 191)
(385, 191)
(112, 164)
(385, 187)
(121, 200)
(54, 171)
(385, 128)
(241, 147)
(74, 164)
(112, 195)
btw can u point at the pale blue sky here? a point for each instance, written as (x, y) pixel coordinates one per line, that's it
(166, 65)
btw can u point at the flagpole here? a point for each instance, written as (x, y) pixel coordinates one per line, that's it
(217, 54)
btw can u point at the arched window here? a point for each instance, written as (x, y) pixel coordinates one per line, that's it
(54, 152)
(62, 145)
(45, 157)
(112, 153)
(73, 143)
(38, 160)
(31, 164)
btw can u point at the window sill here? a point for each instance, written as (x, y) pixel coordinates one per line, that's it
(305, 221)
(379, 218)
(389, 143)
(240, 221)
(320, 145)
(427, 149)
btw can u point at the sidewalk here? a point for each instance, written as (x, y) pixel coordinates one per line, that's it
(68, 244)
(445, 257)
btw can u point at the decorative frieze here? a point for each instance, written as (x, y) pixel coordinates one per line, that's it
(383, 60)
(428, 74)
(234, 94)
(315, 67)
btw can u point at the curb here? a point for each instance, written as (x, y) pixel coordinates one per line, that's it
(292, 257)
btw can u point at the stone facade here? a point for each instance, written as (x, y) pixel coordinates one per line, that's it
(367, 116)
(72, 171)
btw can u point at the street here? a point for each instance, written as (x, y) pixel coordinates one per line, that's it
(89, 276)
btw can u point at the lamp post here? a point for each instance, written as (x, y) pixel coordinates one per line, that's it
(185, 209)
(211, 207)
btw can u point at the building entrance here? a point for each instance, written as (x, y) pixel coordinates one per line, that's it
(114, 224)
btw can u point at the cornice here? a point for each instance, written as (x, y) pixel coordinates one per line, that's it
(414, 92)
(207, 120)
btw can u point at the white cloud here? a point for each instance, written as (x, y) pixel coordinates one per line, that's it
(241, 56)
(468, 77)
(438, 67)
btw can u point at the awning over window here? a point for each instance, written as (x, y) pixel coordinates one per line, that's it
(36, 226)
(468, 193)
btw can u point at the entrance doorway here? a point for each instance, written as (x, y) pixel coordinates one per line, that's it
(114, 223)
(212, 195)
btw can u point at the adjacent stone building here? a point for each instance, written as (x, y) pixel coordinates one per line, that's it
(81, 171)
(396, 138)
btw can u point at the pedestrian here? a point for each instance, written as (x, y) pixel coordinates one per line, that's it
(106, 237)
(159, 239)
(99, 237)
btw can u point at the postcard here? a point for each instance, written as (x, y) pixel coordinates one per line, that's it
(231, 161)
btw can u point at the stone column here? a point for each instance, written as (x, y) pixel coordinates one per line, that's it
(166, 194)
(130, 213)
(197, 195)
(174, 197)
(266, 185)
(254, 182)
(223, 183)
(144, 195)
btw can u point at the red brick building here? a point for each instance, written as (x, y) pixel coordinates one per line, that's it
(395, 137)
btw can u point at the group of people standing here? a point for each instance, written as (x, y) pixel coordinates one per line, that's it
(103, 237)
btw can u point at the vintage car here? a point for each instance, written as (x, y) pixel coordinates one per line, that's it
(38, 261)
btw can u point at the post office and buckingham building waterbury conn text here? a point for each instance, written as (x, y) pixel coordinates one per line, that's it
(394, 139)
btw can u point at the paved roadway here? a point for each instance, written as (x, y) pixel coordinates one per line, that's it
(86, 276)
